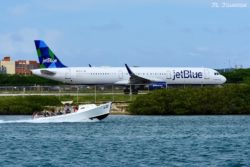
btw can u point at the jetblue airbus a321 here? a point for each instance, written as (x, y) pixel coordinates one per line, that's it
(52, 68)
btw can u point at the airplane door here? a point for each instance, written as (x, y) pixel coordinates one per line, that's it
(206, 74)
(68, 76)
(120, 74)
(168, 74)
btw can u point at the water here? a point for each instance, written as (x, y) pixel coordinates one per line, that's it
(128, 141)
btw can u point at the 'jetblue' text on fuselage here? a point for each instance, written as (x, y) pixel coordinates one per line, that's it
(187, 74)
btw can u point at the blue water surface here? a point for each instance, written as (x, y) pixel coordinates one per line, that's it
(128, 141)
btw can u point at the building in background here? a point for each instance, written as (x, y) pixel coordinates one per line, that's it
(24, 67)
(8, 64)
(3, 70)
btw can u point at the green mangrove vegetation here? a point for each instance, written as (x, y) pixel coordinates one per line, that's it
(237, 76)
(229, 99)
(22, 80)
(26, 105)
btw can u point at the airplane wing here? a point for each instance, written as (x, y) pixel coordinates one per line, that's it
(135, 79)
(122, 82)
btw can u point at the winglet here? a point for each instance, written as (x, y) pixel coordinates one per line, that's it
(130, 72)
(135, 79)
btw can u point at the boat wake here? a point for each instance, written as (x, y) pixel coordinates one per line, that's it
(43, 121)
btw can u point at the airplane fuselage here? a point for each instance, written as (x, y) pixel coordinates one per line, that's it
(120, 76)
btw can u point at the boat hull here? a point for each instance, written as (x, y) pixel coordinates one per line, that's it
(95, 114)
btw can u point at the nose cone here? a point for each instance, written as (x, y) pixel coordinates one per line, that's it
(223, 79)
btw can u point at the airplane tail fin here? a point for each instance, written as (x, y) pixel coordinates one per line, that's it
(47, 58)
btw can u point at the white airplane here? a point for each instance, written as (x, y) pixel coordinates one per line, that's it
(155, 77)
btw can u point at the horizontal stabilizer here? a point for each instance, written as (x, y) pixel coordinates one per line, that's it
(47, 72)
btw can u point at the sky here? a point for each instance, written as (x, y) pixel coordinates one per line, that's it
(160, 33)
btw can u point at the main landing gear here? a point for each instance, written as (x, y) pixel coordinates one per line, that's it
(131, 89)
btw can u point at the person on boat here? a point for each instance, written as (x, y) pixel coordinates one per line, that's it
(60, 112)
(34, 115)
(75, 109)
(53, 113)
(46, 113)
(68, 108)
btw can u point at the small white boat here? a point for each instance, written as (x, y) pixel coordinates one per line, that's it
(82, 114)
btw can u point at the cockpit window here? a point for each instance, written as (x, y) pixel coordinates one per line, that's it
(216, 73)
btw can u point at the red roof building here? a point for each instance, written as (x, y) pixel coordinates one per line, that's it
(24, 67)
